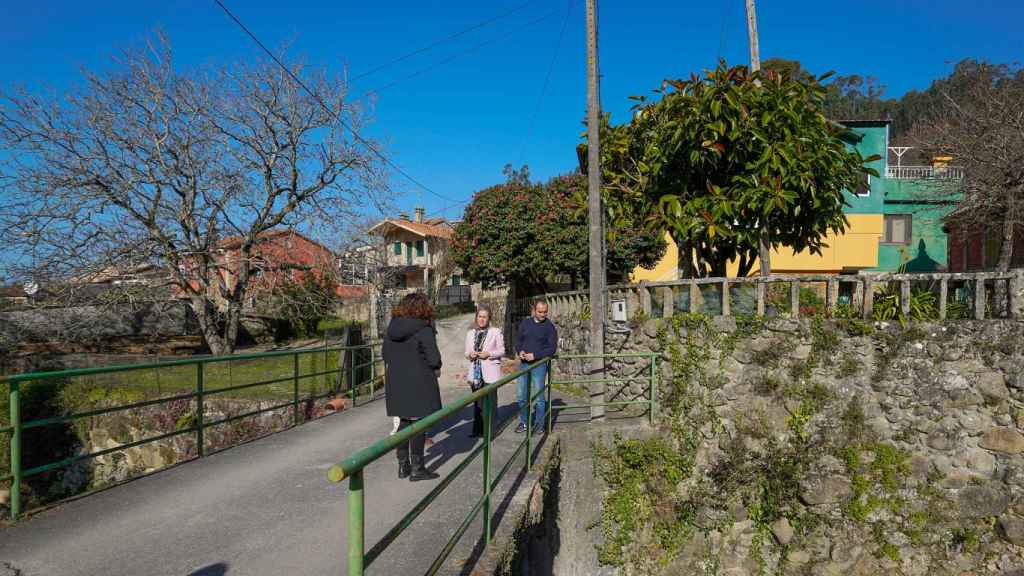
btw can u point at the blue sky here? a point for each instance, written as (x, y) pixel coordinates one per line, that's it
(456, 126)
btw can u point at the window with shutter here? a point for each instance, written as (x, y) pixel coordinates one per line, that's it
(897, 229)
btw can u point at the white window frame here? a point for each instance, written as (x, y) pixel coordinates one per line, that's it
(909, 228)
(868, 188)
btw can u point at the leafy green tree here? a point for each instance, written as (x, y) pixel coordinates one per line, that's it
(723, 160)
(529, 234)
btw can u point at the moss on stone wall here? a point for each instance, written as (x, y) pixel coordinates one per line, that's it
(822, 447)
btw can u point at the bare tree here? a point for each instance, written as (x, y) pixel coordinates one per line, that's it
(149, 164)
(979, 121)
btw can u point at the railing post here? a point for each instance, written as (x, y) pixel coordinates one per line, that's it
(794, 298)
(645, 298)
(547, 393)
(905, 298)
(14, 398)
(762, 296)
(355, 524)
(832, 298)
(726, 304)
(352, 361)
(654, 389)
(529, 417)
(200, 410)
(979, 298)
(373, 372)
(668, 302)
(488, 407)
(869, 298)
(1015, 304)
(943, 296)
(295, 389)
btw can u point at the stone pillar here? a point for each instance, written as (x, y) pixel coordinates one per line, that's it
(1016, 295)
(374, 303)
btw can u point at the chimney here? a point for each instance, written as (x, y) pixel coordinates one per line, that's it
(419, 215)
(404, 216)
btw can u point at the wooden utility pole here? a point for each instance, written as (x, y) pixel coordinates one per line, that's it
(755, 56)
(595, 214)
(764, 249)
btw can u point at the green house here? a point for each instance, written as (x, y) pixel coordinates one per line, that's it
(914, 201)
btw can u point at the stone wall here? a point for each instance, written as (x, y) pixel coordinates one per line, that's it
(821, 447)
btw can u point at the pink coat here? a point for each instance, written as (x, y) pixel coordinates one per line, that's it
(494, 343)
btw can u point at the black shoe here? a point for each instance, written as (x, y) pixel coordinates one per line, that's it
(521, 428)
(403, 469)
(420, 472)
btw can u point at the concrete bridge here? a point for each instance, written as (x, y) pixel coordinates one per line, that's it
(266, 507)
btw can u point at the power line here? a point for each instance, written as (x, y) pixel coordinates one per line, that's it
(561, 36)
(440, 41)
(461, 54)
(355, 135)
(725, 27)
(547, 81)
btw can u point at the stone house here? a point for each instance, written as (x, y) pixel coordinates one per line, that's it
(276, 258)
(415, 257)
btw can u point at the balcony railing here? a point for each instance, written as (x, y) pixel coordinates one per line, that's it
(924, 172)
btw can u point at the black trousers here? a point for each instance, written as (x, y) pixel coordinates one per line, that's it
(413, 450)
(478, 414)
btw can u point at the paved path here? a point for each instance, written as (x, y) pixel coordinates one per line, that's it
(264, 508)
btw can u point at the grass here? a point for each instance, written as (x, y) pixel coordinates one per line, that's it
(163, 381)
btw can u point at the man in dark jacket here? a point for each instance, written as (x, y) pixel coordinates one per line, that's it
(536, 340)
(412, 362)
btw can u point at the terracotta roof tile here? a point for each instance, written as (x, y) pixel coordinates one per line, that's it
(438, 230)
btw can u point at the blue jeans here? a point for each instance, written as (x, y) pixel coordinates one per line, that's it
(539, 376)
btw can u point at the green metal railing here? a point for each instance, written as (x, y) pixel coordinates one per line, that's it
(345, 358)
(353, 467)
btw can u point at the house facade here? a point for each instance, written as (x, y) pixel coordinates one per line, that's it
(895, 219)
(976, 249)
(415, 255)
(276, 258)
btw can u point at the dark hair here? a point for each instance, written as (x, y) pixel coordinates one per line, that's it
(414, 305)
(538, 302)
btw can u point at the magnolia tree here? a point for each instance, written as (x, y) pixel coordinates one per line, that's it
(527, 234)
(731, 164)
(151, 164)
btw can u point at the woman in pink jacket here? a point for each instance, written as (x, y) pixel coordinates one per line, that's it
(484, 348)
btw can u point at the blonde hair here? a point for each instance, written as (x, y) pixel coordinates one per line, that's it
(483, 308)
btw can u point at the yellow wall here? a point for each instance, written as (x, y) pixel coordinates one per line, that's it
(857, 248)
(665, 270)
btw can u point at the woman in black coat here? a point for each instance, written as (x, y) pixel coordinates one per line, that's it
(412, 363)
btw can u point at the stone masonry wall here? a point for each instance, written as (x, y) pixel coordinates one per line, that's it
(825, 447)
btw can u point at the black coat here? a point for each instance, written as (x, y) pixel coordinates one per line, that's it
(411, 359)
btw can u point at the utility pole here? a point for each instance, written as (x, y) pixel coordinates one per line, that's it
(755, 56)
(595, 213)
(764, 249)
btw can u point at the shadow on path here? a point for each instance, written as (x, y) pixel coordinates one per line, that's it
(218, 569)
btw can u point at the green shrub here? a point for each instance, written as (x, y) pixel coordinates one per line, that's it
(449, 310)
